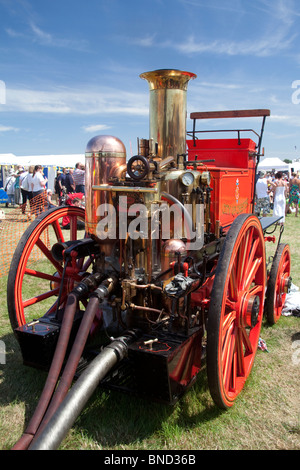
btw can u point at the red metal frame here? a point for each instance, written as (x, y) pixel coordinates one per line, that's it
(232, 175)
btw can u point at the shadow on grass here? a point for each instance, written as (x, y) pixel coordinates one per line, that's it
(19, 383)
(110, 419)
(115, 419)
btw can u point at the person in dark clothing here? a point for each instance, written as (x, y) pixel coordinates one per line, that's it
(61, 179)
(57, 185)
(69, 182)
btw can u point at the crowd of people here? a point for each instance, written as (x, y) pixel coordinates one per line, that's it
(22, 185)
(70, 181)
(273, 191)
(277, 192)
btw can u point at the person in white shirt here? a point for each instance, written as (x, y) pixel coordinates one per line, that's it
(24, 189)
(38, 188)
(262, 195)
(9, 187)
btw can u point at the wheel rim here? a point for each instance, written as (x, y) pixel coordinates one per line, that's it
(282, 282)
(45, 275)
(238, 295)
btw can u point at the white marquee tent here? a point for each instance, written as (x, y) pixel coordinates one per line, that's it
(51, 162)
(68, 161)
(269, 164)
(7, 159)
(295, 166)
(44, 160)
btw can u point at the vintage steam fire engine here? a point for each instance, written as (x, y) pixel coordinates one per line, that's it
(171, 268)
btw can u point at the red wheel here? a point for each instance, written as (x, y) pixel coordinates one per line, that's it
(236, 310)
(278, 283)
(34, 278)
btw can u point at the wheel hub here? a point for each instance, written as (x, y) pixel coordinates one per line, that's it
(251, 307)
(285, 284)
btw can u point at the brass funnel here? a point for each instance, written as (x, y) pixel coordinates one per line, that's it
(168, 110)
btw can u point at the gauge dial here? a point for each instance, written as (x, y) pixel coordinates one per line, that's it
(187, 178)
(205, 178)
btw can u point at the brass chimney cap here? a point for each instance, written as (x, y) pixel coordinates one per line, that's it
(168, 78)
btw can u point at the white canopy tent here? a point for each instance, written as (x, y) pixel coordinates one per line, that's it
(7, 159)
(269, 164)
(51, 162)
(295, 166)
(68, 161)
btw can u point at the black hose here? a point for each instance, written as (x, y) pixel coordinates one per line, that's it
(69, 410)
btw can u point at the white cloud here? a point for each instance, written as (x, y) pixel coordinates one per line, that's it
(96, 128)
(47, 39)
(7, 128)
(274, 33)
(261, 47)
(13, 34)
(43, 38)
(146, 41)
(77, 102)
(290, 119)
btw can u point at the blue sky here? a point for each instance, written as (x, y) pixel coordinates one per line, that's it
(69, 69)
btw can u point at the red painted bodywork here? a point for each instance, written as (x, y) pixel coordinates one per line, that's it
(232, 175)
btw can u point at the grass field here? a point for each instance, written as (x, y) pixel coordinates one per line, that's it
(266, 415)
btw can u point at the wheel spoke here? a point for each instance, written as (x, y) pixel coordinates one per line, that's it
(251, 265)
(40, 297)
(54, 307)
(228, 355)
(58, 231)
(230, 304)
(73, 228)
(228, 322)
(240, 355)
(48, 255)
(252, 272)
(233, 284)
(40, 275)
(246, 341)
(243, 256)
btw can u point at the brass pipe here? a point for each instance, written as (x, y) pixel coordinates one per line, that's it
(123, 189)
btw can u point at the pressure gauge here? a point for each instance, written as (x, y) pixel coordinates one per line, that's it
(205, 178)
(187, 178)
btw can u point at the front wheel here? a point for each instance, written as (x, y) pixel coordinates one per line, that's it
(36, 285)
(236, 310)
(278, 283)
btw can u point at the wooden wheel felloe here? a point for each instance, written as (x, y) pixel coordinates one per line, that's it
(34, 280)
(278, 283)
(236, 310)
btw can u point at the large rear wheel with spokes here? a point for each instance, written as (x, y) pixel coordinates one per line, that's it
(37, 284)
(236, 310)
